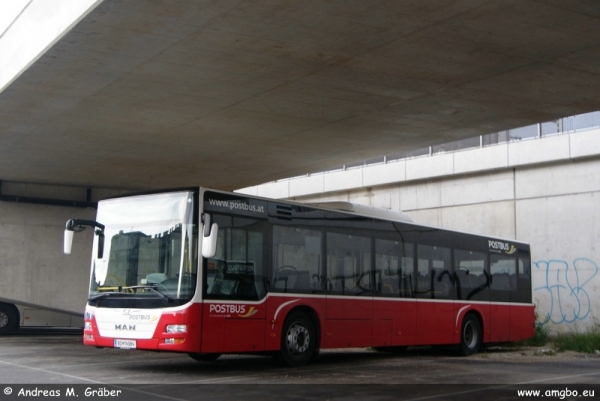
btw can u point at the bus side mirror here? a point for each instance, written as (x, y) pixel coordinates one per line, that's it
(77, 225)
(68, 241)
(100, 235)
(209, 242)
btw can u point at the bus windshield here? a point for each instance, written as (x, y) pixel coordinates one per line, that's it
(150, 247)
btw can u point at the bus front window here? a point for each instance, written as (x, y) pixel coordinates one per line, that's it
(151, 244)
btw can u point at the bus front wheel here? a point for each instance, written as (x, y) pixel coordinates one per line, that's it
(298, 339)
(471, 335)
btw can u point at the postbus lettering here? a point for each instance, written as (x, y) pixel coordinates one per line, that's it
(501, 246)
(217, 308)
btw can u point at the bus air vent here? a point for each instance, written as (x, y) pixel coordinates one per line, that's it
(284, 212)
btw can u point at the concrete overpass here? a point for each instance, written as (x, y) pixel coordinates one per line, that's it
(230, 94)
(234, 93)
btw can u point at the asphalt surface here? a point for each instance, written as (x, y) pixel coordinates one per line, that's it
(57, 362)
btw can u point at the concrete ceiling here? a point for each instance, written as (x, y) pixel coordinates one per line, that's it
(230, 93)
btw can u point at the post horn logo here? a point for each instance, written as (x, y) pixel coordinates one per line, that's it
(252, 311)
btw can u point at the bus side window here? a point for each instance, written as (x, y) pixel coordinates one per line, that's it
(348, 264)
(394, 266)
(469, 274)
(502, 268)
(435, 272)
(523, 280)
(296, 259)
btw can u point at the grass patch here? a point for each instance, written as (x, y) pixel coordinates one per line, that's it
(588, 342)
(580, 342)
(540, 336)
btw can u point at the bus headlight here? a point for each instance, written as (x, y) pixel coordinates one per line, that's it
(177, 328)
(87, 326)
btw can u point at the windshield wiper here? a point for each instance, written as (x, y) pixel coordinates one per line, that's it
(133, 287)
(102, 295)
(151, 288)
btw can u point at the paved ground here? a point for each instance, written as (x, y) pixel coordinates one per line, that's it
(59, 362)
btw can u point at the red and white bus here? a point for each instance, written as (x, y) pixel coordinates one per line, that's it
(207, 273)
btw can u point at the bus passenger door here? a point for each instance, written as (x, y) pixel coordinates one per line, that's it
(349, 322)
(234, 310)
(502, 269)
(394, 310)
(522, 313)
(349, 316)
(435, 295)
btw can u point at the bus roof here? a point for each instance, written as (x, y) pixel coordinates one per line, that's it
(367, 211)
(364, 210)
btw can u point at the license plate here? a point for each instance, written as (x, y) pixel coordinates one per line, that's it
(125, 344)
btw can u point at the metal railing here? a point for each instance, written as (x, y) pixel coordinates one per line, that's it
(535, 131)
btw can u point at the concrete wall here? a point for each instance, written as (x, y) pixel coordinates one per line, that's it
(544, 191)
(33, 269)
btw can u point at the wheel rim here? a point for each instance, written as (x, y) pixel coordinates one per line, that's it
(470, 335)
(3, 320)
(298, 339)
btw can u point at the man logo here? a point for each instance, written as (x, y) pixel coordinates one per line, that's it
(125, 327)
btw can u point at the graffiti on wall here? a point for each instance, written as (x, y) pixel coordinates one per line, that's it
(562, 290)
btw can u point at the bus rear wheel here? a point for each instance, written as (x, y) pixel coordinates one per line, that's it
(298, 340)
(471, 335)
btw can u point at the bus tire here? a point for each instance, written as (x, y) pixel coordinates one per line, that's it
(298, 340)
(204, 357)
(9, 318)
(470, 335)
